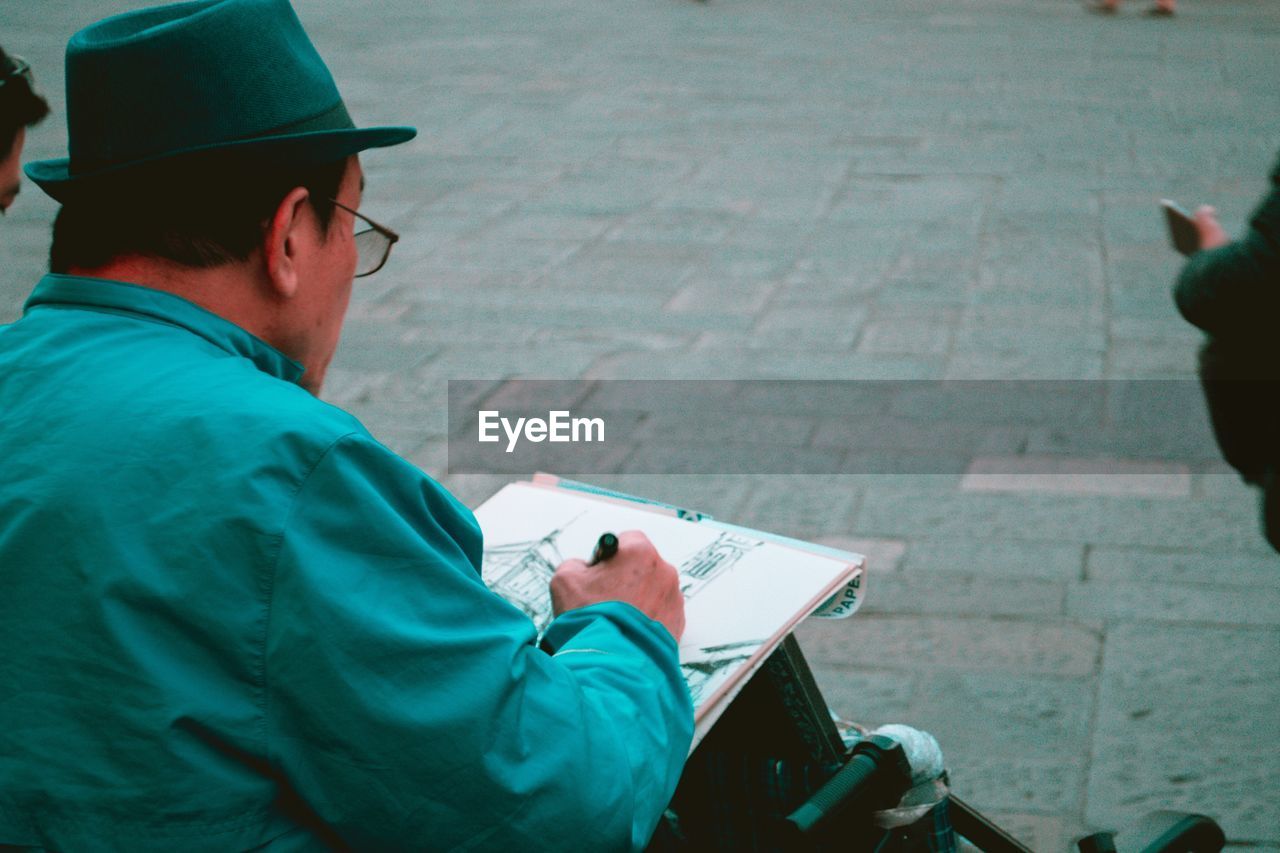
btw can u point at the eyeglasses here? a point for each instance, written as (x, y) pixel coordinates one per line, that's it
(18, 68)
(373, 244)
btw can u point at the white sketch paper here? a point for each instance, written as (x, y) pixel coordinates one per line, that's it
(741, 592)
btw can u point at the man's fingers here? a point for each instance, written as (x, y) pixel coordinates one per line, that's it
(571, 565)
(637, 575)
(634, 540)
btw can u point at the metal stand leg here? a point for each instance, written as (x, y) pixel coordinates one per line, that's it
(980, 831)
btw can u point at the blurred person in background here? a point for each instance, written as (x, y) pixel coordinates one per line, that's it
(20, 108)
(1231, 290)
(1161, 9)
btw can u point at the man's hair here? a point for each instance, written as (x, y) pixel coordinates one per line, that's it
(19, 106)
(198, 211)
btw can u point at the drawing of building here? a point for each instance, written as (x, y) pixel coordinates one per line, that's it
(521, 573)
(714, 559)
(713, 666)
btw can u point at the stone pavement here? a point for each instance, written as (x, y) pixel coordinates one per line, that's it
(858, 189)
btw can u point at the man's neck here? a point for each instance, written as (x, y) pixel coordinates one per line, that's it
(236, 292)
(228, 290)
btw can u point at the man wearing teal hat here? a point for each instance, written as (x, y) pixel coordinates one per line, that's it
(232, 619)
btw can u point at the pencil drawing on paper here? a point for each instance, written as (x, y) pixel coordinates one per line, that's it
(713, 665)
(521, 571)
(712, 560)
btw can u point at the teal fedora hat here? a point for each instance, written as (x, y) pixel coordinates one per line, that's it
(155, 84)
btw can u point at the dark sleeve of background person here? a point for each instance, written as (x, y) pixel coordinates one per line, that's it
(1233, 294)
(1235, 289)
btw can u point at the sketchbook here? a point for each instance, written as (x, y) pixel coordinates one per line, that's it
(745, 590)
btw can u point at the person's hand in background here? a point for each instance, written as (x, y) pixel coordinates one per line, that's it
(1212, 234)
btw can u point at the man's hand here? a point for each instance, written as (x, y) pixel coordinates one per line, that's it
(636, 575)
(1211, 233)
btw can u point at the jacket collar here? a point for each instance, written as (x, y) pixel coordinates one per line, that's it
(100, 294)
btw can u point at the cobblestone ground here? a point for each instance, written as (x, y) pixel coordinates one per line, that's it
(857, 189)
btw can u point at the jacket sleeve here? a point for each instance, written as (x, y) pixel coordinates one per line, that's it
(409, 707)
(1234, 290)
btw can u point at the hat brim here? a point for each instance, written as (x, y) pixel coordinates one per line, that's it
(320, 146)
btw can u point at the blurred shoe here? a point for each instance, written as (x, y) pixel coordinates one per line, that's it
(1102, 7)
(1159, 12)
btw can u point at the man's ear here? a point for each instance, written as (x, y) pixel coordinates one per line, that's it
(283, 240)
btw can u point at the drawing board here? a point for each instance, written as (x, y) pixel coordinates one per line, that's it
(742, 592)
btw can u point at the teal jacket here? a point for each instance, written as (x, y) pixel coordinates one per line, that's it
(230, 618)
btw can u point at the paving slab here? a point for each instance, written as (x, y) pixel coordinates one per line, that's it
(1210, 690)
(994, 558)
